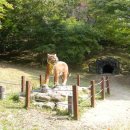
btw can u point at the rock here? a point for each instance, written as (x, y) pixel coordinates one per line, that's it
(62, 106)
(36, 90)
(49, 105)
(57, 98)
(21, 99)
(63, 90)
(57, 94)
(42, 97)
(66, 94)
(33, 95)
(45, 89)
(22, 94)
(38, 104)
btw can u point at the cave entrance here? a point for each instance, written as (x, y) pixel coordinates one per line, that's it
(108, 68)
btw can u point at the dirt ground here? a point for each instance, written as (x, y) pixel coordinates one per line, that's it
(111, 114)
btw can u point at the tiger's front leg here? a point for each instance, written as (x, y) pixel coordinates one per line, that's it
(64, 80)
(56, 78)
(47, 75)
(47, 79)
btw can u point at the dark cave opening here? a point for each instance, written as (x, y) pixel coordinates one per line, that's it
(108, 68)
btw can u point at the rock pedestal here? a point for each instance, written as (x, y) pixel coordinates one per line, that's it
(53, 98)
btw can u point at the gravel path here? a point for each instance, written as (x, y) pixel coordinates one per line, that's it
(111, 114)
(114, 111)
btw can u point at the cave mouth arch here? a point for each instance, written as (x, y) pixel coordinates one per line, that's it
(108, 68)
(107, 65)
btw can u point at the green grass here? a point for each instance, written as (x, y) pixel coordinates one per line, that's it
(84, 105)
(61, 112)
(14, 97)
(9, 108)
(11, 102)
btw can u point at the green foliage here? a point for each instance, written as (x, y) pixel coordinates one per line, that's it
(14, 97)
(4, 5)
(72, 29)
(76, 39)
(112, 18)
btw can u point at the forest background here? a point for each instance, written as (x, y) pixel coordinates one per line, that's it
(74, 29)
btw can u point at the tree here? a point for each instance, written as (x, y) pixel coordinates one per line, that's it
(4, 5)
(70, 28)
(112, 18)
(48, 26)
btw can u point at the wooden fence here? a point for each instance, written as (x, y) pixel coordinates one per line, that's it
(75, 92)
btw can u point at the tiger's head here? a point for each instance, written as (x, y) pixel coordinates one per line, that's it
(52, 58)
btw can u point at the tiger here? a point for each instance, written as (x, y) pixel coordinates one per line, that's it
(56, 68)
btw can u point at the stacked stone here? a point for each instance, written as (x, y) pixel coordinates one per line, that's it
(53, 98)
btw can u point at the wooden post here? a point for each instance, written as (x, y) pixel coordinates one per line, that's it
(78, 79)
(102, 88)
(92, 93)
(27, 100)
(41, 80)
(75, 102)
(107, 85)
(23, 83)
(70, 104)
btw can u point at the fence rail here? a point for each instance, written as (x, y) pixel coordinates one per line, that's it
(104, 84)
(92, 88)
(75, 92)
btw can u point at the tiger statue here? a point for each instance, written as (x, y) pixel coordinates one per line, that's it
(56, 68)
